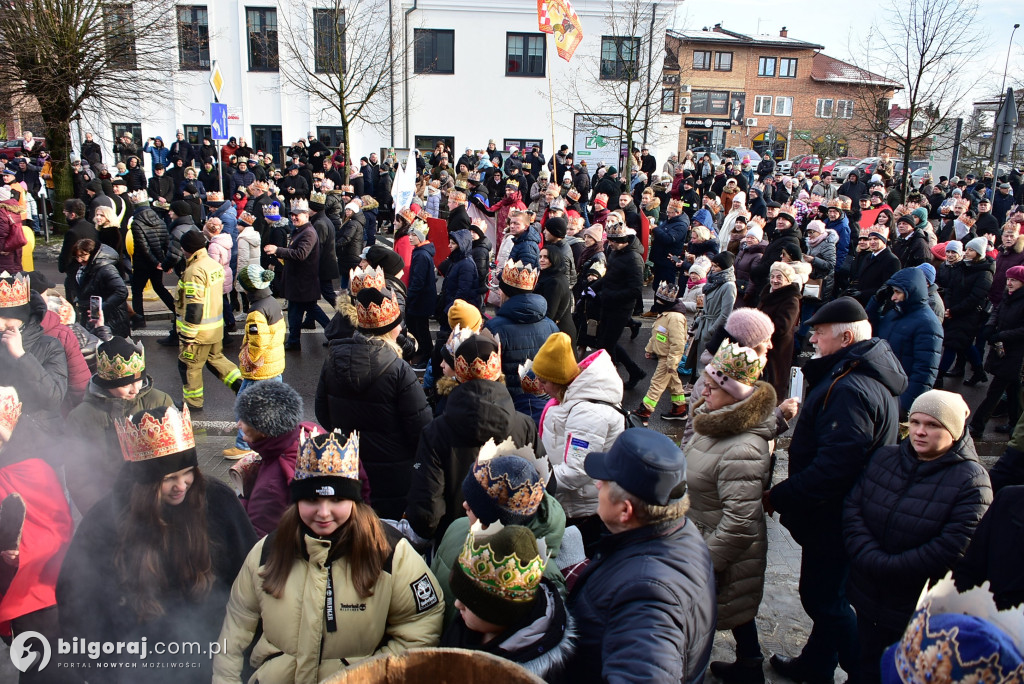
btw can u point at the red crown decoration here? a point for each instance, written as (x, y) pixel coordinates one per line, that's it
(360, 278)
(10, 408)
(528, 379)
(378, 316)
(519, 275)
(477, 369)
(246, 218)
(153, 437)
(14, 290)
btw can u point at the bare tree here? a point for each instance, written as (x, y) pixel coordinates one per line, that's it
(625, 77)
(926, 46)
(828, 138)
(345, 55)
(79, 58)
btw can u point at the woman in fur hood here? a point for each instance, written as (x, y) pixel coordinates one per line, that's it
(727, 469)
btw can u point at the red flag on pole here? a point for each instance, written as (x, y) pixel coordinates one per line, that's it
(559, 18)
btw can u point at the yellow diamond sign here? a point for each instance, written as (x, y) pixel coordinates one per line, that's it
(216, 79)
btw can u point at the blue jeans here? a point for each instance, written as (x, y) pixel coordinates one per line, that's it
(295, 311)
(239, 442)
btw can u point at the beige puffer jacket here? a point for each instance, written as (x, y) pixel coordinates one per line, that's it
(726, 472)
(405, 611)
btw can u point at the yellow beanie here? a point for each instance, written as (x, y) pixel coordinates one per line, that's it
(555, 360)
(465, 314)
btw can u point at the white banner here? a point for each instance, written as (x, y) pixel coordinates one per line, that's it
(404, 186)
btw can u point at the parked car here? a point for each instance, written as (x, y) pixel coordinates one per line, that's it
(842, 170)
(785, 167)
(808, 163)
(919, 175)
(9, 148)
(866, 166)
(833, 165)
(738, 153)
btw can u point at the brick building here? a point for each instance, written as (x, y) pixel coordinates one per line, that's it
(738, 91)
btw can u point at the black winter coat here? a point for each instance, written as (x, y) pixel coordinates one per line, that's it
(652, 586)
(460, 274)
(481, 254)
(348, 243)
(850, 410)
(611, 187)
(908, 521)
(623, 282)
(475, 412)
(365, 386)
(871, 272)
(325, 236)
(966, 298)
(913, 250)
(100, 277)
(161, 186)
(788, 240)
(1008, 321)
(301, 265)
(421, 299)
(554, 288)
(997, 550)
(523, 327)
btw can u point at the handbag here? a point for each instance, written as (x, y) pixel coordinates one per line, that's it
(812, 288)
(16, 238)
(630, 420)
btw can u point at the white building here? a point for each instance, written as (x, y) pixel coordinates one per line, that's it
(474, 71)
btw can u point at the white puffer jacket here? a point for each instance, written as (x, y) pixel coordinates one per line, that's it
(248, 251)
(572, 429)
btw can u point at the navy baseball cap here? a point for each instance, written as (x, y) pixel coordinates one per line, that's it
(645, 463)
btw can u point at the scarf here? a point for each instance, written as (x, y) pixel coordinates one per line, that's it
(814, 242)
(699, 283)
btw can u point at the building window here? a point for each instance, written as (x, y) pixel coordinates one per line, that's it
(709, 102)
(331, 136)
(329, 41)
(701, 60)
(119, 32)
(783, 106)
(763, 105)
(844, 109)
(668, 100)
(268, 139)
(619, 57)
(193, 38)
(723, 61)
(524, 54)
(434, 51)
(261, 24)
(133, 129)
(823, 109)
(194, 134)
(765, 66)
(787, 68)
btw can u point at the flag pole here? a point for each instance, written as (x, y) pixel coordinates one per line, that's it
(551, 105)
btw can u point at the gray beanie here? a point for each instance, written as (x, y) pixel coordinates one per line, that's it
(273, 408)
(979, 245)
(948, 408)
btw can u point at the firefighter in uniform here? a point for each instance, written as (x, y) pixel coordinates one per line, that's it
(200, 322)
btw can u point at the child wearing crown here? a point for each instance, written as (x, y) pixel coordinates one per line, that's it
(332, 584)
(667, 344)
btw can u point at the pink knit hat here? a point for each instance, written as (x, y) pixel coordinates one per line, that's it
(749, 327)
(596, 232)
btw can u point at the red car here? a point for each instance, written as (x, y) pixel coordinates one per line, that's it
(9, 148)
(808, 163)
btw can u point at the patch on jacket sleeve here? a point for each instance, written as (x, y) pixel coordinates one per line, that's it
(423, 592)
(254, 329)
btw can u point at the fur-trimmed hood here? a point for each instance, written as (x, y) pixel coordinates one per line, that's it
(752, 413)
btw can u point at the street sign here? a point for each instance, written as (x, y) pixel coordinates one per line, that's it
(219, 121)
(216, 80)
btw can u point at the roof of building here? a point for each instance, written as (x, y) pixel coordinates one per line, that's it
(721, 36)
(831, 70)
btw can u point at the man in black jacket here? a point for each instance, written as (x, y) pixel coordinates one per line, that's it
(872, 267)
(78, 229)
(161, 192)
(151, 239)
(183, 150)
(851, 408)
(97, 198)
(91, 151)
(911, 247)
(853, 188)
(609, 185)
(766, 167)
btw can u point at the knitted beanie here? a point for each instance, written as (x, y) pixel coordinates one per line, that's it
(723, 260)
(749, 327)
(948, 408)
(181, 208)
(465, 314)
(555, 361)
(978, 244)
(557, 226)
(595, 232)
(785, 269)
(757, 232)
(1015, 272)
(700, 266)
(929, 272)
(507, 489)
(273, 408)
(388, 260)
(254, 277)
(955, 246)
(193, 241)
(816, 226)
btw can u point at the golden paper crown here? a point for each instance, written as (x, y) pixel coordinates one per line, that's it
(376, 315)
(739, 363)
(667, 291)
(14, 290)
(246, 218)
(334, 458)
(317, 197)
(359, 278)
(299, 205)
(511, 578)
(457, 337)
(214, 196)
(239, 160)
(512, 183)
(348, 190)
(528, 379)
(153, 437)
(117, 367)
(10, 408)
(138, 196)
(519, 275)
(477, 368)
(676, 204)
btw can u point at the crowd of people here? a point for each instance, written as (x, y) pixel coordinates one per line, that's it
(469, 474)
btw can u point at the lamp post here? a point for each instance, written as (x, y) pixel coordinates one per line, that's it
(1002, 96)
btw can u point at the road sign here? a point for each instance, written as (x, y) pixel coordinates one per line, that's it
(216, 80)
(219, 121)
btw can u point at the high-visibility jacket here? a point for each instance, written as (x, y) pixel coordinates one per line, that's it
(200, 304)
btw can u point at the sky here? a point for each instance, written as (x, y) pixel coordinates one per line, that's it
(840, 27)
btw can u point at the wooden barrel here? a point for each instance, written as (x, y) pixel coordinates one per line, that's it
(436, 666)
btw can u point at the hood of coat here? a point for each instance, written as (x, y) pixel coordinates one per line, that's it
(464, 240)
(226, 209)
(914, 285)
(358, 361)
(524, 308)
(479, 410)
(104, 256)
(532, 234)
(873, 358)
(755, 414)
(222, 240)
(598, 379)
(426, 248)
(963, 450)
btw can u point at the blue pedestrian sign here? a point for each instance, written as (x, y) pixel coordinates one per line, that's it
(219, 120)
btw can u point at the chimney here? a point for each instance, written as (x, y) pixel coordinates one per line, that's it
(718, 28)
(784, 33)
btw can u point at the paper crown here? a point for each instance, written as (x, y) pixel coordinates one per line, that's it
(958, 638)
(246, 218)
(528, 379)
(512, 183)
(14, 290)
(155, 437)
(358, 278)
(316, 197)
(520, 276)
(299, 206)
(490, 451)
(140, 196)
(335, 457)
(10, 408)
(116, 367)
(214, 196)
(458, 335)
(242, 160)
(461, 184)
(327, 185)
(478, 368)
(510, 578)
(675, 204)
(62, 307)
(667, 291)
(348, 190)
(374, 316)
(739, 363)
